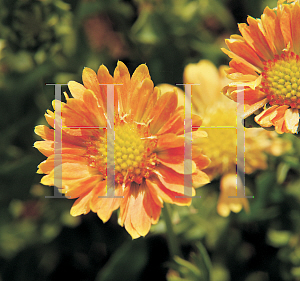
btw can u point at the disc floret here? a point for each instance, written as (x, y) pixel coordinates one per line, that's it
(134, 158)
(281, 80)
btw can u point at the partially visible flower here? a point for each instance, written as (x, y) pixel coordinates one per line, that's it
(148, 148)
(220, 121)
(228, 188)
(265, 61)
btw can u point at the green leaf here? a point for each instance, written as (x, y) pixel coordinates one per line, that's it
(282, 171)
(202, 259)
(192, 269)
(127, 263)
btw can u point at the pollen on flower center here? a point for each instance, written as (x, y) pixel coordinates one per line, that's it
(133, 156)
(281, 80)
(129, 150)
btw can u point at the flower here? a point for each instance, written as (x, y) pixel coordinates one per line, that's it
(265, 62)
(148, 148)
(220, 122)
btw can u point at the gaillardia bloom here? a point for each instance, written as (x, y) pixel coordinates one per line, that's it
(265, 61)
(220, 121)
(148, 148)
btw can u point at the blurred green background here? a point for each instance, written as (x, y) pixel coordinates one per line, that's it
(51, 41)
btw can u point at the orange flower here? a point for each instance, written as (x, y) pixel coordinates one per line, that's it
(148, 148)
(265, 61)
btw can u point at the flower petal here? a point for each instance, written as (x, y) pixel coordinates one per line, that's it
(158, 189)
(291, 117)
(122, 76)
(273, 32)
(172, 180)
(76, 90)
(104, 78)
(90, 80)
(102, 205)
(243, 50)
(139, 99)
(139, 210)
(264, 118)
(163, 109)
(81, 205)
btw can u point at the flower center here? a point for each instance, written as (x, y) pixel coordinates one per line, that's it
(133, 156)
(220, 145)
(281, 80)
(129, 150)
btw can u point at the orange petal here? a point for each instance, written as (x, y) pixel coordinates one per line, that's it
(81, 205)
(76, 89)
(285, 24)
(140, 74)
(273, 32)
(255, 38)
(250, 96)
(104, 206)
(138, 215)
(200, 178)
(44, 132)
(295, 27)
(158, 189)
(241, 60)
(96, 112)
(75, 114)
(178, 168)
(67, 171)
(202, 161)
(48, 165)
(291, 118)
(161, 112)
(244, 51)
(168, 141)
(76, 188)
(175, 124)
(90, 80)
(250, 109)
(280, 111)
(264, 118)
(122, 76)
(45, 147)
(50, 118)
(236, 66)
(172, 180)
(139, 98)
(104, 78)
(173, 155)
(151, 102)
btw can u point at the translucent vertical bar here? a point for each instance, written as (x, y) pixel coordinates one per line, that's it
(240, 146)
(110, 143)
(188, 170)
(57, 143)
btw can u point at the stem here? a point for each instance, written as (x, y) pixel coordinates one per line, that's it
(172, 239)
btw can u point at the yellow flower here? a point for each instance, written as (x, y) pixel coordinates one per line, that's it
(148, 148)
(265, 61)
(220, 121)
